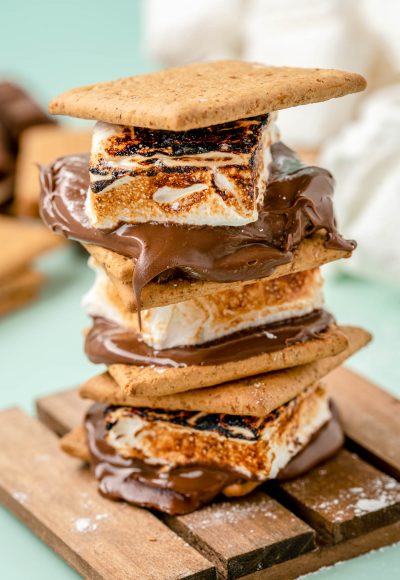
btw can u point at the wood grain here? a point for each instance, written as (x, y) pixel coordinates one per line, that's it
(330, 555)
(344, 497)
(244, 535)
(58, 500)
(371, 417)
(263, 545)
(62, 411)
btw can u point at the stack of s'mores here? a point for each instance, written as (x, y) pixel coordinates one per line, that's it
(206, 234)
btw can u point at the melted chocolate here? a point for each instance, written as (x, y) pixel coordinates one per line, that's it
(325, 443)
(183, 489)
(297, 203)
(109, 343)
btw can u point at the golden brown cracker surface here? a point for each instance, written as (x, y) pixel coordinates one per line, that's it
(75, 443)
(202, 94)
(256, 396)
(310, 253)
(161, 381)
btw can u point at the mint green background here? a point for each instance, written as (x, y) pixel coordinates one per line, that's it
(50, 46)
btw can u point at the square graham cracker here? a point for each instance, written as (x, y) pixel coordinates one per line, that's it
(21, 242)
(20, 289)
(203, 94)
(159, 381)
(311, 253)
(255, 396)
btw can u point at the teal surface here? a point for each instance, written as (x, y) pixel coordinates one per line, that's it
(51, 46)
(41, 352)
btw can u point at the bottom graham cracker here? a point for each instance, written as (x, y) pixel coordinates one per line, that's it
(341, 509)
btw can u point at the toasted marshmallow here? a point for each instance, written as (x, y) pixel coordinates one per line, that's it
(256, 447)
(214, 176)
(211, 317)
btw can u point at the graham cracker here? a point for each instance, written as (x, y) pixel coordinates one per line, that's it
(310, 253)
(21, 242)
(159, 381)
(202, 94)
(41, 145)
(75, 443)
(19, 290)
(256, 396)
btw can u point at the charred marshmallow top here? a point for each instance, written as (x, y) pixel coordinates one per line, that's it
(256, 447)
(214, 176)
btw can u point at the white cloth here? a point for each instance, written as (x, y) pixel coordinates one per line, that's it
(365, 160)
(280, 32)
(361, 35)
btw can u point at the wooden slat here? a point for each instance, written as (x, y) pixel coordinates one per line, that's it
(59, 502)
(273, 534)
(330, 555)
(241, 536)
(371, 417)
(344, 497)
(62, 411)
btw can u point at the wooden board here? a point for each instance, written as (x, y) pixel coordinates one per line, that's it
(347, 506)
(243, 535)
(371, 418)
(328, 555)
(344, 498)
(57, 499)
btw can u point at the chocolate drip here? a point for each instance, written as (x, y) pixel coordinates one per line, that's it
(183, 489)
(297, 203)
(109, 343)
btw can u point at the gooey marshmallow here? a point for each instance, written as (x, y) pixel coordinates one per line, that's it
(257, 447)
(210, 317)
(215, 176)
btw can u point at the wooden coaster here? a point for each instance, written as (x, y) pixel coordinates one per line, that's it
(344, 508)
(49, 492)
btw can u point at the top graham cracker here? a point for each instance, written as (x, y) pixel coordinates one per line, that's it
(203, 94)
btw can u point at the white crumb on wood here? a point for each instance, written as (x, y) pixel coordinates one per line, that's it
(380, 493)
(231, 513)
(20, 496)
(84, 525)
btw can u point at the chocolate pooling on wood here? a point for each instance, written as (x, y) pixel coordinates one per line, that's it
(297, 203)
(183, 489)
(109, 343)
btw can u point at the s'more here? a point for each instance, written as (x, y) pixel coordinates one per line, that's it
(206, 234)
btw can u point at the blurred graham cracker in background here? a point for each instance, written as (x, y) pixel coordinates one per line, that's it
(41, 145)
(20, 243)
(20, 289)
